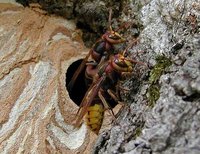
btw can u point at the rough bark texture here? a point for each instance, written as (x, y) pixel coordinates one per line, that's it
(162, 114)
(171, 124)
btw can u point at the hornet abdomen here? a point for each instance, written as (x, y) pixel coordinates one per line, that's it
(94, 117)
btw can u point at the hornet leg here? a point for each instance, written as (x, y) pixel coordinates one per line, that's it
(105, 104)
(113, 95)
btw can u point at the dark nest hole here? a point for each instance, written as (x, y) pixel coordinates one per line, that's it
(80, 88)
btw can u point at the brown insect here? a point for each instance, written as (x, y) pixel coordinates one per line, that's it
(102, 89)
(102, 75)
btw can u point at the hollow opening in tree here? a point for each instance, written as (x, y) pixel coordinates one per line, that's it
(79, 89)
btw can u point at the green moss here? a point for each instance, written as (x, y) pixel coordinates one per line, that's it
(161, 65)
(153, 92)
(138, 130)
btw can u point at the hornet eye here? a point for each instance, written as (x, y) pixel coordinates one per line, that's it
(114, 37)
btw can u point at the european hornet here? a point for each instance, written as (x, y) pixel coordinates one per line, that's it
(102, 89)
(102, 74)
(104, 46)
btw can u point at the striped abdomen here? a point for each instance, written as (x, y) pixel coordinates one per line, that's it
(94, 117)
